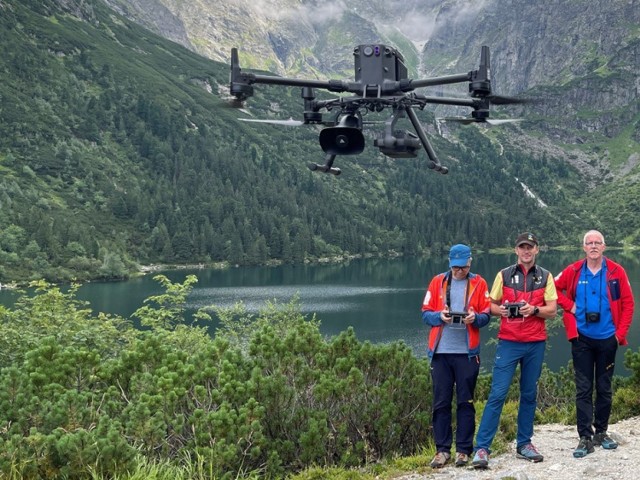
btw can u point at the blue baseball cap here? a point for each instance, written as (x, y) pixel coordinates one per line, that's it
(459, 255)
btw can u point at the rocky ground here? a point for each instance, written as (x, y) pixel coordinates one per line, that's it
(556, 443)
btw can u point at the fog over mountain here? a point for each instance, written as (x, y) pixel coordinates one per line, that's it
(286, 35)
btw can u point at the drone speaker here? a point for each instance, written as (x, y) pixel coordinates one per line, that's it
(345, 139)
(342, 140)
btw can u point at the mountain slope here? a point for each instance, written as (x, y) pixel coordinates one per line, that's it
(116, 149)
(581, 56)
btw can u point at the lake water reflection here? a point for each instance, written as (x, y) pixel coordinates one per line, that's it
(379, 298)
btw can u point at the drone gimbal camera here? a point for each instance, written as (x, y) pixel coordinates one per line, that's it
(381, 81)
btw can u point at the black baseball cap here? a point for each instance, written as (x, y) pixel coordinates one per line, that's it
(528, 238)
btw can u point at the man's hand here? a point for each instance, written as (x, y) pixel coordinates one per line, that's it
(470, 318)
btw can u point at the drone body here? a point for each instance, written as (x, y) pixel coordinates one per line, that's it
(380, 81)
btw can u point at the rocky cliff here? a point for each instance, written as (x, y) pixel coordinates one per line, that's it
(582, 56)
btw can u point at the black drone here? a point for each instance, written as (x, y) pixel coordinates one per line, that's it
(380, 82)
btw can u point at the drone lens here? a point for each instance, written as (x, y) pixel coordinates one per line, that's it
(368, 51)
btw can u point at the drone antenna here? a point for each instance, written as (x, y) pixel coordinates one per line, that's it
(434, 163)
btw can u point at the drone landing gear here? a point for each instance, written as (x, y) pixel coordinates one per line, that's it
(327, 167)
(434, 163)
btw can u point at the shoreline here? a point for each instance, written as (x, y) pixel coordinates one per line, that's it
(141, 270)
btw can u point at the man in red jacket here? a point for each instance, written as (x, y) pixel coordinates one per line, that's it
(596, 297)
(524, 297)
(456, 306)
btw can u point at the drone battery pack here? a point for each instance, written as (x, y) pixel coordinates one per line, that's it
(376, 63)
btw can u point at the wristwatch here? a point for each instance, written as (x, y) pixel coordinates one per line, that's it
(536, 311)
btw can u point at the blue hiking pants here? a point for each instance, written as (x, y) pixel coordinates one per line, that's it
(529, 355)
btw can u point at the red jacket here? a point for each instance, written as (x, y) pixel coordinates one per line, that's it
(621, 299)
(434, 302)
(530, 286)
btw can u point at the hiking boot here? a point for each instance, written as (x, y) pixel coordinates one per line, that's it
(440, 460)
(529, 452)
(585, 446)
(605, 441)
(480, 459)
(462, 459)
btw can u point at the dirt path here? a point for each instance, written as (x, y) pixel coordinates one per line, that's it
(556, 443)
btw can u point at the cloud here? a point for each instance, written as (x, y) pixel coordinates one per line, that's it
(417, 27)
(462, 11)
(314, 12)
(425, 18)
(416, 19)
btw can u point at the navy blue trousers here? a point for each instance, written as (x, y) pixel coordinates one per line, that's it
(449, 371)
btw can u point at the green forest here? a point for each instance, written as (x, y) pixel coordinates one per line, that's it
(117, 150)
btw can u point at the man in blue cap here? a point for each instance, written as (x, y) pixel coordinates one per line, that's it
(456, 306)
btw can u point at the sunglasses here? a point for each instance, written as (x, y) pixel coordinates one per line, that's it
(459, 269)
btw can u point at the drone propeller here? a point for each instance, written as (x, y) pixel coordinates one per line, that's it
(503, 100)
(490, 121)
(290, 122)
(500, 121)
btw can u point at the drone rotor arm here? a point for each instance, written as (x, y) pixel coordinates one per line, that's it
(461, 102)
(331, 85)
(435, 81)
(240, 83)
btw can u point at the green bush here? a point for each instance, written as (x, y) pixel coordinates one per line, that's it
(626, 402)
(85, 394)
(342, 401)
(89, 396)
(556, 396)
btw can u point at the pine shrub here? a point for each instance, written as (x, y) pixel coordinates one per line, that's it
(86, 395)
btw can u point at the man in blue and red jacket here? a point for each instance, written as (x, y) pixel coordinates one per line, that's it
(456, 306)
(523, 296)
(598, 304)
